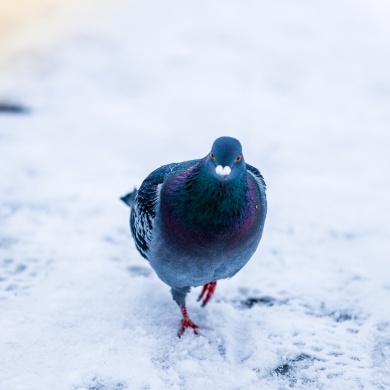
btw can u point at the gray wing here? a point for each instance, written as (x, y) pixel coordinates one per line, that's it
(255, 173)
(258, 177)
(144, 207)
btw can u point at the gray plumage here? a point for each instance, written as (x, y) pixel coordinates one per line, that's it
(199, 221)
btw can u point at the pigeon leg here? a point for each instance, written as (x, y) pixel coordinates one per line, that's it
(208, 289)
(186, 322)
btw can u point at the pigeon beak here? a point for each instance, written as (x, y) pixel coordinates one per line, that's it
(222, 171)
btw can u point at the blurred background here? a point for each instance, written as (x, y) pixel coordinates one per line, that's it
(94, 95)
(125, 87)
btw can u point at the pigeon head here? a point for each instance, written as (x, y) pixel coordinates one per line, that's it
(225, 161)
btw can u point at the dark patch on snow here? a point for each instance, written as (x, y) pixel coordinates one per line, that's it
(345, 315)
(8, 260)
(222, 350)
(103, 384)
(290, 365)
(336, 354)
(137, 270)
(383, 327)
(110, 240)
(343, 235)
(20, 268)
(7, 209)
(16, 274)
(341, 316)
(13, 108)
(290, 368)
(9, 267)
(100, 386)
(283, 369)
(7, 242)
(262, 301)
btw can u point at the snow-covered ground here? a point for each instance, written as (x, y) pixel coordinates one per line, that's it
(116, 89)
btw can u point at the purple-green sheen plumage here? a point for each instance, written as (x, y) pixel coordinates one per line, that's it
(199, 221)
(221, 211)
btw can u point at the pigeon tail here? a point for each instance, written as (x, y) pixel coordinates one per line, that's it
(129, 198)
(208, 291)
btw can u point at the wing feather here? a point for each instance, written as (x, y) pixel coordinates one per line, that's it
(144, 208)
(258, 177)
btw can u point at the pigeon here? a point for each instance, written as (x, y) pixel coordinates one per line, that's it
(199, 221)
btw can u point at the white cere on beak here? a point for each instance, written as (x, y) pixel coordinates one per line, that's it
(222, 171)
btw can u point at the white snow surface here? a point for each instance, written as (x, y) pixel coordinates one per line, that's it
(117, 89)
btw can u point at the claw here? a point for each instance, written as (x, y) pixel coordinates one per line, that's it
(208, 289)
(187, 323)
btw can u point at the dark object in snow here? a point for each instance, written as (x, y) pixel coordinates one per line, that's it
(264, 301)
(289, 369)
(199, 221)
(12, 108)
(341, 316)
(105, 384)
(285, 368)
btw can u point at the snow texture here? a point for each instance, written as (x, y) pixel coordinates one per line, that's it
(94, 95)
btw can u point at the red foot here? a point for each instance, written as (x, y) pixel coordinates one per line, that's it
(186, 322)
(209, 288)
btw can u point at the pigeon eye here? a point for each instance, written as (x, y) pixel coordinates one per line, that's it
(212, 156)
(238, 159)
